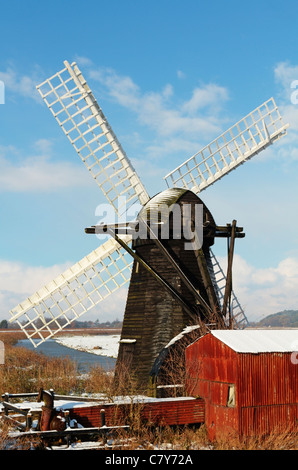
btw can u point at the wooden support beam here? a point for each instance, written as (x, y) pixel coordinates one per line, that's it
(201, 301)
(228, 289)
(162, 281)
(224, 231)
(69, 432)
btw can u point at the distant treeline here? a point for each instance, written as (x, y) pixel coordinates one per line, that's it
(4, 324)
(96, 324)
(284, 319)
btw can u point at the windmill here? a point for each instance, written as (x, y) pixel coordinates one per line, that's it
(191, 284)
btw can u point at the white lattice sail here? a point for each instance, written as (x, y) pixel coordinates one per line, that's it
(245, 139)
(76, 110)
(74, 292)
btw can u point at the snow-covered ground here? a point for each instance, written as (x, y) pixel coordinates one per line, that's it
(102, 345)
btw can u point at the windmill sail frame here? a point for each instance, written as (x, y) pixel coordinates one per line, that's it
(235, 146)
(77, 112)
(74, 292)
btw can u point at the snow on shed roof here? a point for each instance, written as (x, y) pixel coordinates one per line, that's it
(258, 341)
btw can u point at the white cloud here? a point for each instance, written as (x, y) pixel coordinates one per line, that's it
(168, 147)
(38, 172)
(181, 75)
(19, 281)
(264, 291)
(44, 146)
(210, 95)
(23, 85)
(285, 74)
(122, 89)
(23, 279)
(168, 91)
(83, 61)
(200, 115)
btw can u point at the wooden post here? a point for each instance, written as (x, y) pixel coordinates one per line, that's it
(28, 420)
(228, 289)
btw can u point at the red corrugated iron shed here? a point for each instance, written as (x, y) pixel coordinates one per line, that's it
(248, 379)
(156, 411)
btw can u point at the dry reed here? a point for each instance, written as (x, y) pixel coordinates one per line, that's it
(25, 371)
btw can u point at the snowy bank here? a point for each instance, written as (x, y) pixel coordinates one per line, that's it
(102, 345)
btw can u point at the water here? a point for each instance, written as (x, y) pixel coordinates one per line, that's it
(84, 360)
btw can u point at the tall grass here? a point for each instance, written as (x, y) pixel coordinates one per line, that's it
(26, 371)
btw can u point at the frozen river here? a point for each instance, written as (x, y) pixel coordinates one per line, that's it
(86, 351)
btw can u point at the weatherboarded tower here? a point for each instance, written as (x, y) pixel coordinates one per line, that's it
(157, 312)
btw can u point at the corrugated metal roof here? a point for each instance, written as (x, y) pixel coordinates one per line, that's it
(258, 341)
(184, 332)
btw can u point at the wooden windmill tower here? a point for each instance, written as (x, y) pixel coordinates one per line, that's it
(171, 286)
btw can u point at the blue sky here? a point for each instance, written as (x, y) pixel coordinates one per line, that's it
(147, 63)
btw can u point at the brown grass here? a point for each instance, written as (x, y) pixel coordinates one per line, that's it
(277, 439)
(190, 438)
(26, 371)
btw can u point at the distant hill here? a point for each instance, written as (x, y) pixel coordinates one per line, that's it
(285, 319)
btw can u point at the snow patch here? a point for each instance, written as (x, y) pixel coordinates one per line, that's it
(101, 345)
